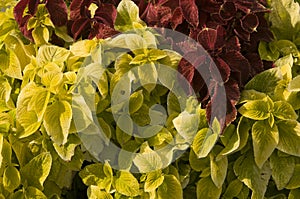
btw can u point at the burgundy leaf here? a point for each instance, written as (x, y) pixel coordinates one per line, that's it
(79, 8)
(239, 64)
(106, 13)
(81, 27)
(207, 38)
(228, 10)
(186, 69)
(102, 31)
(220, 70)
(249, 23)
(190, 11)
(240, 32)
(32, 6)
(58, 12)
(19, 10)
(233, 44)
(177, 17)
(255, 62)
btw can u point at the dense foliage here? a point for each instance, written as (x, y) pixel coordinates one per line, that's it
(65, 71)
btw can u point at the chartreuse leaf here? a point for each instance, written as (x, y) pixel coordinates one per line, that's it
(83, 48)
(266, 51)
(136, 101)
(148, 76)
(154, 180)
(256, 179)
(1, 147)
(26, 117)
(57, 121)
(204, 141)
(95, 192)
(14, 69)
(5, 89)
(265, 82)
(233, 189)
(283, 110)
(294, 194)
(41, 35)
(294, 85)
(282, 169)
(285, 16)
(55, 54)
(231, 140)
(265, 139)
(33, 193)
(37, 170)
(250, 95)
(148, 161)
(170, 187)
(11, 178)
(98, 174)
(257, 109)
(128, 16)
(218, 165)
(127, 184)
(207, 189)
(67, 151)
(289, 137)
(294, 182)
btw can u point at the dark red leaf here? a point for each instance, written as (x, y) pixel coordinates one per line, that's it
(220, 71)
(32, 6)
(207, 38)
(102, 31)
(227, 10)
(249, 23)
(81, 27)
(78, 8)
(106, 13)
(177, 17)
(190, 11)
(240, 32)
(19, 10)
(58, 12)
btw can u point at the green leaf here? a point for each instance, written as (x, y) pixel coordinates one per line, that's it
(289, 137)
(230, 139)
(39, 102)
(204, 141)
(57, 121)
(266, 53)
(5, 90)
(283, 110)
(34, 193)
(37, 170)
(265, 139)
(170, 187)
(257, 109)
(265, 82)
(294, 194)
(128, 16)
(127, 184)
(286, 47)
(285, 16)
(218, 165)
(14, 69)
(148, 76)
(47, 54)
(95, 192)
(250, 95)
(97, 174)
(282, 169)
(256, 179)
(154, 180)
(83, 48)
(294, 182)
(67, 151)
(294, 85)
(11, 178)
(40, 35)
(186, 125)
(136, 101)
(207, 189)
(233, 189)
(148, 161)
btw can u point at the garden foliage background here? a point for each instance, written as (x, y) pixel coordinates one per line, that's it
(52, 50)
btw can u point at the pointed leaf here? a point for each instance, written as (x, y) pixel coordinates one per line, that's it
(170, 187)
(127, 184)
(284, 111)
(289, 137)
(11, 178)
(207, 189)
(265, 139)
(154, 180)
